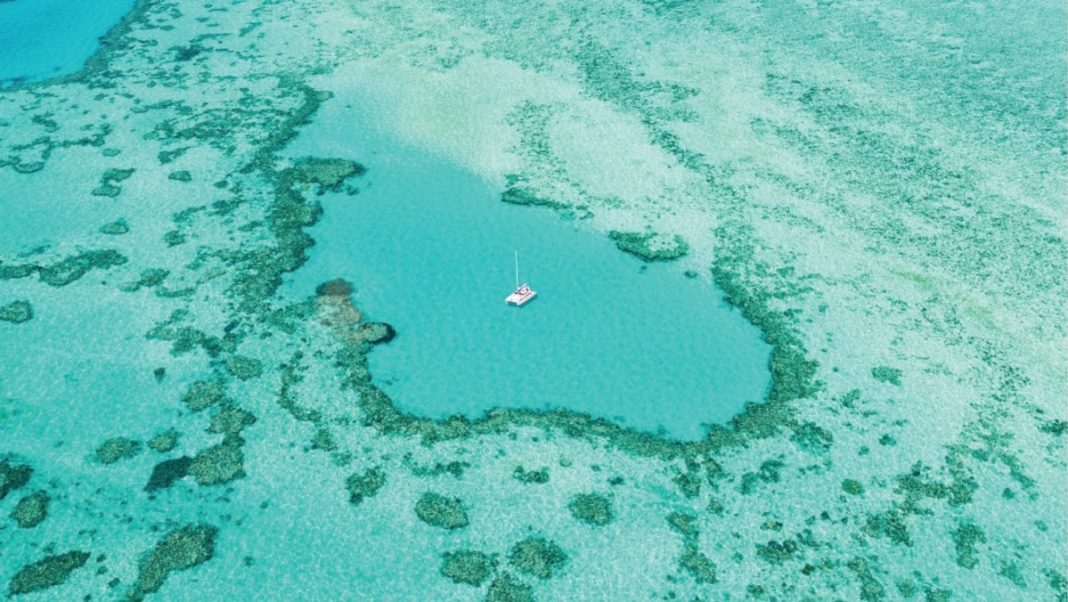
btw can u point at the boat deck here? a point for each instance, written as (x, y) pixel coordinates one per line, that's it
(521, 296)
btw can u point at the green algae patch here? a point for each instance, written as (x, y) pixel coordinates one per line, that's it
(439, 511)
(852, 487)
(1056, 428)
(537, 557)
(204, 394)
(507, 588)
(164, 442)
(16, 312)
(364, 485)
(776, 552)
(965, 539)
(168, 472)
(219, 464)
(31, 510)
(699, 566)
(116, 449)
(870, 587)
(467, 567)
(72, 268)
(149, 278)
(13, 477)
(886, 374)
(692, 560)
(244, 367)
(108, 181)
(48, 572)
(178, 550)
(531, 477)
(115, 228)
(180, 176)
(650, 246)
(16, 271)
(591, 508)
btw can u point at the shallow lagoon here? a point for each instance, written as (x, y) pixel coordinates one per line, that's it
(48, 38)
(429, 248)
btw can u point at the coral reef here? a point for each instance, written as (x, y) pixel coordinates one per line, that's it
(439, 511)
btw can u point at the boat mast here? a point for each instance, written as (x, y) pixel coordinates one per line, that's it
(517, 269)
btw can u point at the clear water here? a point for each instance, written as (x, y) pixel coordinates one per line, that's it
(429, 247)
(47, 38)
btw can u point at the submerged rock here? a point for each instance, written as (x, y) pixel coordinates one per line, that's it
(167, 472)
(467, 567)
(338, 287)
(440, 511)
(537, 557)
(117, 448)
(16, 312)
(179, 550)
(13, 476)
(591, 508)
(48, 572)
(31, 510)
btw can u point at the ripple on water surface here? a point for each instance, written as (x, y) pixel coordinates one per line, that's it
(429, 247)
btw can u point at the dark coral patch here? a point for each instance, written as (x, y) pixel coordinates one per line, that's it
(591, 508)
(16, 312)
(13, 476)
(220, 463)
(364, 485)
(116, 449)
(72, 268)
(203, 394)
(48, 572)
(468, 567)
(537, 557)
(440, 511)
(178, 550)
(164, 442)
(507, 588)
(31, 509)
(645, 247)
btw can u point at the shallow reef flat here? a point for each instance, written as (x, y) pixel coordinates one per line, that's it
(880, 191)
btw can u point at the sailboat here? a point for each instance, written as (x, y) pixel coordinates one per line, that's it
(522, 294)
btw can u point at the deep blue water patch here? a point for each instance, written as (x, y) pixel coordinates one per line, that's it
(40, 39)
(429, 247)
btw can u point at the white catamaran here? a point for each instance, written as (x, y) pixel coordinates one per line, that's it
(522, 294)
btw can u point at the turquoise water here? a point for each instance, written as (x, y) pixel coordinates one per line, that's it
(429, 248)
(884, 185)
(47, 38)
